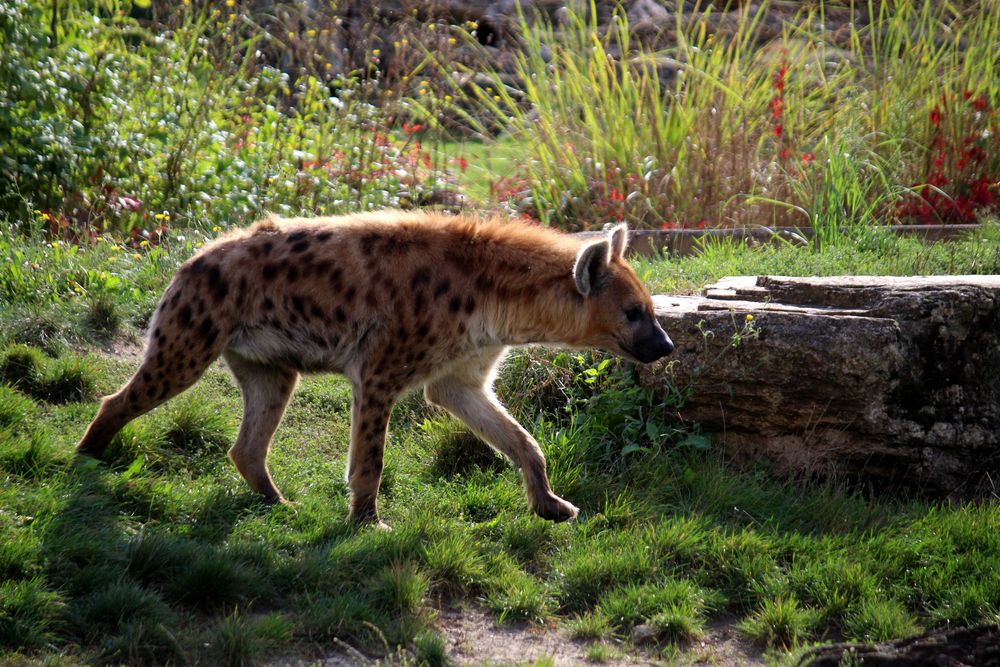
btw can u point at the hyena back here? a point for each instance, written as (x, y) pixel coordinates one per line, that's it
(391, 301)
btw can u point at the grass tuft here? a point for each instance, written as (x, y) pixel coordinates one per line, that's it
(66, 380)
(21, 366)
(29, 614)
(401, 586)
(194, 425)
(780, 622)
(15, 409)
(105, 610)
(877, 620)
(430, 649)
(143, 641)
(238, 641)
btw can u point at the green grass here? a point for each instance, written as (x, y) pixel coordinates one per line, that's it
(973, 253)
(169, 557)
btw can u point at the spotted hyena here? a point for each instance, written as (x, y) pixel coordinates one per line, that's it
(391, 300)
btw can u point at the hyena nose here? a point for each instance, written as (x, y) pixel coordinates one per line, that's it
(666, 347)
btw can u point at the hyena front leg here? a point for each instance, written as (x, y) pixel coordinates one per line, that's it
(465, 393)
(370, 412)
(266, 391)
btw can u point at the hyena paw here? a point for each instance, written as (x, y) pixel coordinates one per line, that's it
(554, 508)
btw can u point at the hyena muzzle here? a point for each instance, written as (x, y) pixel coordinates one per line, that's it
(392, 301)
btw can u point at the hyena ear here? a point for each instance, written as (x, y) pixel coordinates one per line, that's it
(619, 241)
(591, 261)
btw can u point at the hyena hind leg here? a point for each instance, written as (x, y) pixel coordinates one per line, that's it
(168, 368)
(266, 391)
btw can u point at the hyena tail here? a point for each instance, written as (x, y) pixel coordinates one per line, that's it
(186, 335)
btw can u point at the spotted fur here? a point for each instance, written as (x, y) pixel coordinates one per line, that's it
(392, 301)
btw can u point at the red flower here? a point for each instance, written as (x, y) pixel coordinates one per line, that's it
(778, 130)
(702, 223)
(779, 78)
(808, 158)
(412, 128)
(935, 117)
(463, 164)
(668, 225)
(785, 153)
(777, 104)
(426, 158)
(980, 103)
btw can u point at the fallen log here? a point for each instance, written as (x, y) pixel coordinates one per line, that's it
(889, 379)
(951, 647)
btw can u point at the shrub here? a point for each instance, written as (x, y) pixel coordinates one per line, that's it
(29, 614)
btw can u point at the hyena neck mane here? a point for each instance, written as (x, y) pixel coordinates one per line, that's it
(524, 276)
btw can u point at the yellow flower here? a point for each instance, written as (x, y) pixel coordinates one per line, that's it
(159, 216)
(452, 40)
(749, 317)
(447, 98)
(311, 32)
(199, 244)
(144, 243)
(496, 98)
(116, 247)
(230, 3)
(136, 256)
(291, 35)
(216, 229)
(472, 24)
(431, 27)
(328, 66)
(376, 52)
(423, 91)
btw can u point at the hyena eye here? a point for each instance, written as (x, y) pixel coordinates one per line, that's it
(635, 313)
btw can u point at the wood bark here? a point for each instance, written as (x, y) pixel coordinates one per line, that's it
(889, 379)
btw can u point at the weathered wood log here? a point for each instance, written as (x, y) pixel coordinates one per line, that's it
(882, 378)
(978, 645)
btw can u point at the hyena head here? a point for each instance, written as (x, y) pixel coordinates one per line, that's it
(619, 309)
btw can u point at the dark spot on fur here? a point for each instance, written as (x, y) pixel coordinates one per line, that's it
(470, 304)
(431, 340)
(220, 289)
(146, 377)
(163, 393)
(371, 299)
(423, 330)
(461, 329)
(336, 275)
(191, 363)
(150, 391)
(293, 319)
(421, 355)
(301, 246)
(266, 248)
(418, 303)
(485, 283)
(243, 287)
(349, 294)
(340, 315)
(293, 273)
(455, 304)
(295, 237)
(268, 304)
(269, 272)
(368, 242)
(324, 236)
(175, 298)
(298, 304)
(442, 288)
(316, 311)
(420, 277)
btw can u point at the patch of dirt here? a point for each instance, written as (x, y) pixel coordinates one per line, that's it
(474, 638)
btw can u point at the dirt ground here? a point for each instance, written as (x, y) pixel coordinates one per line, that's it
(473, 638)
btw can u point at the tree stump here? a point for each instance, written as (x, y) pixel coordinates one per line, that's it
(879, 377)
